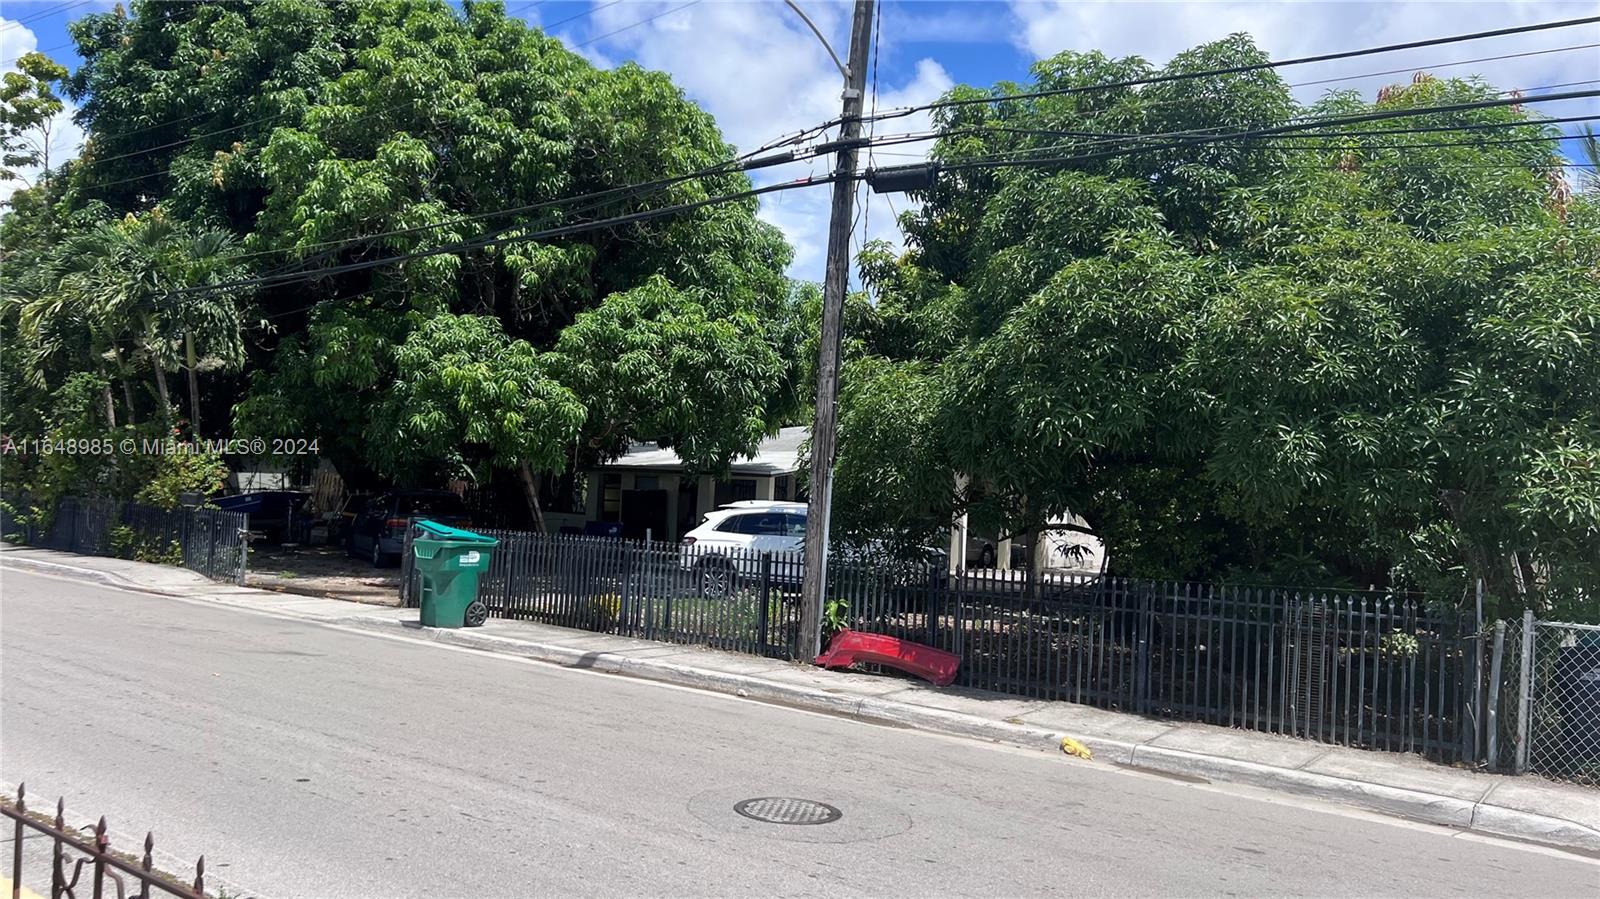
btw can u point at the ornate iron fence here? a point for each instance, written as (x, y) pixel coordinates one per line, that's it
(72, 856)
(212, 542)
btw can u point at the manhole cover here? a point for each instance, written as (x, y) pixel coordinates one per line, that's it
(781, 810)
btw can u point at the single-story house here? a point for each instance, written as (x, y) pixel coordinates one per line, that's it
(649, 489)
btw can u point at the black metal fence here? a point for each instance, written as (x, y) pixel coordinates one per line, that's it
(1355, 669)
(742, 601)
(1351, 669)
(210, 541)
(72, 857)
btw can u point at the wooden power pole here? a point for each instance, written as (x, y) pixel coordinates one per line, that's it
(836, 280)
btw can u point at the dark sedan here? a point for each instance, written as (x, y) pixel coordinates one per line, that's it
(379, 531)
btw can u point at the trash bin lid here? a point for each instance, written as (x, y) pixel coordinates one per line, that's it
(445, 532)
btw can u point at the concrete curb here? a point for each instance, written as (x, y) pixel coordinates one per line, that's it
(1480, 815)
(1461, 814)
(43, 566)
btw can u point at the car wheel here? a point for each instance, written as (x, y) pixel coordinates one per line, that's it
(477, 613)
(717, 577)
(986, 557)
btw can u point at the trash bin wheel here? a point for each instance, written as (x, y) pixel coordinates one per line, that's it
(476, 614)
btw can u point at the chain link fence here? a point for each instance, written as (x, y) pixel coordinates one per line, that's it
(1563, 728)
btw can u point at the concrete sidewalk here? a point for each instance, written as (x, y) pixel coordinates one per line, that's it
(1527, 808)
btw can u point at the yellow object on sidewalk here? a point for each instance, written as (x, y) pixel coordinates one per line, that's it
(1073, 747)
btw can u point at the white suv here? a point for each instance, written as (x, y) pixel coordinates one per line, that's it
(729, 543)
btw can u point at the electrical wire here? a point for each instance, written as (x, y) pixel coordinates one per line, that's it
(1305, 124)
(42, 14)
(499, 237)
(644, 21)
(546, 234)
(872, 123)
(1237, 70)
(615, 194)
(1181, 141)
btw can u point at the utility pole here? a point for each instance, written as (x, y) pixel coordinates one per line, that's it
(836, 280)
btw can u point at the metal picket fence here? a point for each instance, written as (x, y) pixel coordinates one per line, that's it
(1353, 669)
(738, 601)
(212, 542)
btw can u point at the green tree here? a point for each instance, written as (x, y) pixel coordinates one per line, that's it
(322, 134)
(463, 387)
(1329, 357)
(28, 108)
(660, 363)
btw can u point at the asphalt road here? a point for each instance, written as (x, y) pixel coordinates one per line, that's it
(306, 760)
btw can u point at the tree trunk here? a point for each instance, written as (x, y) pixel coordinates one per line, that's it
(161, 391)
(127, 400)
(194, 384)
(530, 489)
(105, 394)
(121, 369)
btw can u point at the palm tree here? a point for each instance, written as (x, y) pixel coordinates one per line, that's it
(209, 320)
(111, 279)
(120, 283)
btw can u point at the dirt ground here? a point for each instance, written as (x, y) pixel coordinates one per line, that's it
(323, 571)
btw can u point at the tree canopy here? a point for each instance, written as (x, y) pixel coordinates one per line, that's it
(1368, 353)
(310, 136)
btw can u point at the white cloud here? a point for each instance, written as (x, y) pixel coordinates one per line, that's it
(760, 71)
(65, 137)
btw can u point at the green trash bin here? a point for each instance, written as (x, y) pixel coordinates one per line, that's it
(449, 561)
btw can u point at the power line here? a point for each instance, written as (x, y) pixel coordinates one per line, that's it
(1104, 137)
(872, 127)
(806, 133)
(1182, 140)
(1448, 65)
(1304, 123)
(7, 62)
(1241, 69)
(636, 24)
(615, 194)
(499, 238)
(588, 12)
(546, 234)
(43, 14)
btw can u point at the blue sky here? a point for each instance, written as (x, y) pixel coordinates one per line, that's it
(757, 68)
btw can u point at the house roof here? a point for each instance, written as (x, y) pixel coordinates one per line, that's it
(774, 456)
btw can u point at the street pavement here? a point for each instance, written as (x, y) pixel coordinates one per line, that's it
(311, 760)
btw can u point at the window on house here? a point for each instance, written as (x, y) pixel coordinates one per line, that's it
(735, 490)
(781, 486)
(611, 497)
(646, 482)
